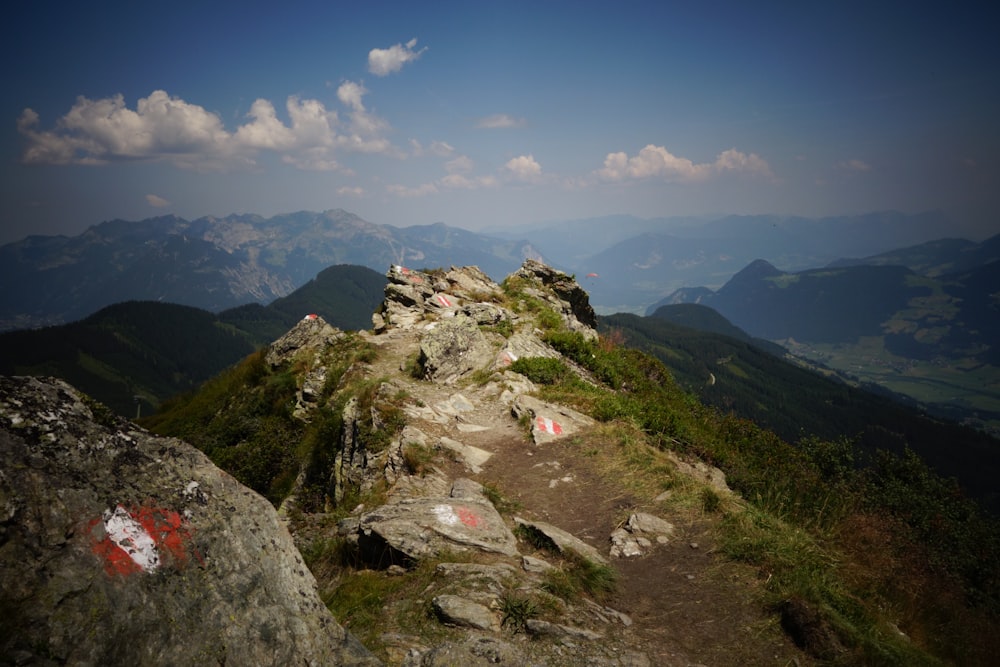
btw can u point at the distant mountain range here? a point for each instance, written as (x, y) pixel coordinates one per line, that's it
(625, 263)
(218, 263)
(639, 262)
(931, 331)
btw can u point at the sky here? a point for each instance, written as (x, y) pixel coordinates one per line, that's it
(493, 114)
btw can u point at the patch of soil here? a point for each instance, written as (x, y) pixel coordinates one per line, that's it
(685, 603)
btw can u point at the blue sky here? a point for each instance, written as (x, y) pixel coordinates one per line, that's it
(485, 115)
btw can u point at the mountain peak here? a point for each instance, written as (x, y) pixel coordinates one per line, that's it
(758, 269)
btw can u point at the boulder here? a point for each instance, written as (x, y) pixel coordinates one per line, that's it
(549, 421)
(456, 610)
(563, 540)
(410, 529)
(453, 349)
(120, 547)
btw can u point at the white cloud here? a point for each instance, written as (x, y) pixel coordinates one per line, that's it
(156, 201)
(162, 128)
(382, 62)
(855, 165)
(523, 168)
(499, 121)
(463, 182)
(657, 162)
(461, 163)
(265, 130)
(350, 94)
(734, 160)
(441, 149)
(351, 191)
(95, 131)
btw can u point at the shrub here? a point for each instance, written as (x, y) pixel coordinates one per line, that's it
(542, 370)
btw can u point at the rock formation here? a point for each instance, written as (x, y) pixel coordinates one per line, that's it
(118, 547)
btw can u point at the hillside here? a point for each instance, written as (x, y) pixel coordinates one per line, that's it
(745, 378)
(133, 355)
(482, 478)
(930, 338)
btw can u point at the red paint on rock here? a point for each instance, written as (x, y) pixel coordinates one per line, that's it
(168, 530)
(468, 517)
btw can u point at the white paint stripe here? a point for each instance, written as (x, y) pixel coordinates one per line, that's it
(129, 536)
(446, 514)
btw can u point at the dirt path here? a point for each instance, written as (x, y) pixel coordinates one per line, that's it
(686, 605)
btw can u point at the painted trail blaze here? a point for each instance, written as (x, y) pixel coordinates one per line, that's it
(140, 539)
(548, 426)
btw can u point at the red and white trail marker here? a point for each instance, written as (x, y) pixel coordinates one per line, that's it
(546, 425)
(140, 540)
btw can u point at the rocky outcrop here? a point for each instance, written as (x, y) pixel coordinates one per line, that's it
(119, 547)
(564, 293)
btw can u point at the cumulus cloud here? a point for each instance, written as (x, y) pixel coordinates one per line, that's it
(523, 168)
(156, 201)
(657, 162)
(500, 121)
(95, 131)
(382, 62)
(168, 129)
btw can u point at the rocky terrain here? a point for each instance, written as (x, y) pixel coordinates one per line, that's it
(506, 498)
(475, 519)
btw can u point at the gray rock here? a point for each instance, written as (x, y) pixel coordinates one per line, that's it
(452, 349)
(471, 284)
(545, 629)
(522, 346)
(549, 421)
(312, 334)
(473, 458)
(475, 651)
(565, 293)
(415, 528)
(631, 540)
(701, 471)
(535, 565)
(487, 314)
(641, 522)
(119, 547)
(564, 541)
(456, 610)
(498, 574)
